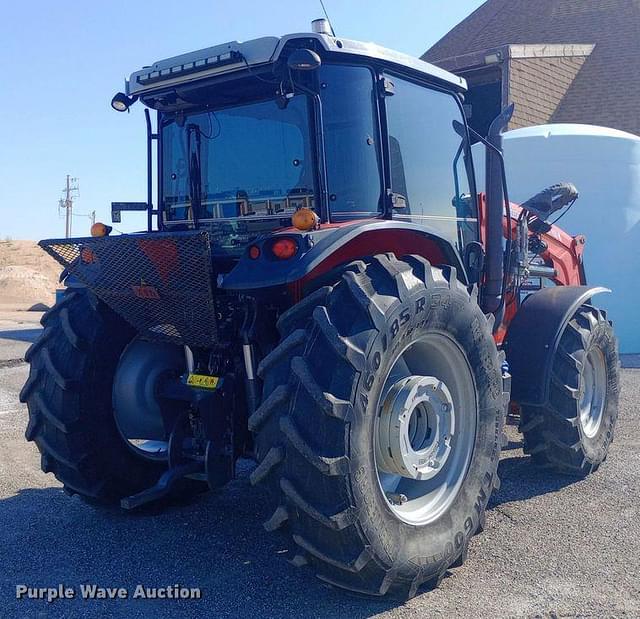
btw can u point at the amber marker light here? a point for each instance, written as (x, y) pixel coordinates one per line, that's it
(100, 229)
(284, 248)
(304, 219)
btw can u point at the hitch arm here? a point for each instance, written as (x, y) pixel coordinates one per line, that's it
(163, 486)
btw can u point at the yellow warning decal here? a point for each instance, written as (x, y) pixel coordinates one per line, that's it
(203, 381)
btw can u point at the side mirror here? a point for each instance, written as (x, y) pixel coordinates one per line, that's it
(303, 60)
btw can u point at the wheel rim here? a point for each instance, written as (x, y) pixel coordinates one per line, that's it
(425, 428)
(153, 450)
(137, 410)
(593, 387)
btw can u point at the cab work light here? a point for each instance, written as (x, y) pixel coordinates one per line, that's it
(122, 103)
(193, 66)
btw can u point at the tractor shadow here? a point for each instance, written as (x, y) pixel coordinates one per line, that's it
(215, 542)
(521, 479)
(21, 335)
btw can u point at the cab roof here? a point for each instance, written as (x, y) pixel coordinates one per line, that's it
(233, 56)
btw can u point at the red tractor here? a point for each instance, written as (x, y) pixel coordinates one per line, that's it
(322, 288)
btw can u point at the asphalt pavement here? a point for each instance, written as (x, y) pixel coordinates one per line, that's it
(553, 547)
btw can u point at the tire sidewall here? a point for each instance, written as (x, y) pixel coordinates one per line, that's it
(432, 546)
(603, 339)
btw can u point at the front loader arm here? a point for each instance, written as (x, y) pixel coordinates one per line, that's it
(564, 252)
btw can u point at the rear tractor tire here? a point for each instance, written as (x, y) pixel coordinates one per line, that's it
(572, 434)
(380, 429)
(69, 397)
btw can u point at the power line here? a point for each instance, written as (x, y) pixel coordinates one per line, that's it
(91, 216)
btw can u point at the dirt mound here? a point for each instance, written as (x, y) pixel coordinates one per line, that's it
(28, 276)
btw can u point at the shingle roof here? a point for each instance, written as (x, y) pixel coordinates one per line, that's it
(606, 90)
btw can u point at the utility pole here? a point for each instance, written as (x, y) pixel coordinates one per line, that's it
(66, 202)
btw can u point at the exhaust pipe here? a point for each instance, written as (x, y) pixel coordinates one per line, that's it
(494, 174)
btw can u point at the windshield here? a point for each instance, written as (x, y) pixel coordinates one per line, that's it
(254, 165)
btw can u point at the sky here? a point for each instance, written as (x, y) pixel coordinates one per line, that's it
(61, 62)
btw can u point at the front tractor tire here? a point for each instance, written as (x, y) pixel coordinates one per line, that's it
(380, 429)
(573, 431)
(69, 397)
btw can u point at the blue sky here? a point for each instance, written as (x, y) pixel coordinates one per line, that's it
(62, 61)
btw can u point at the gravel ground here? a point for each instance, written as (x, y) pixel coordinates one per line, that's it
(552, 547)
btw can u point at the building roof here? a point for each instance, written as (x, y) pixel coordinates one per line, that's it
(606, 90)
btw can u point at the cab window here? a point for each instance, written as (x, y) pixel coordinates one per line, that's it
(427, 162)
(351, 141)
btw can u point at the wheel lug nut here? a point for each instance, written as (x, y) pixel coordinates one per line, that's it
(396, 498)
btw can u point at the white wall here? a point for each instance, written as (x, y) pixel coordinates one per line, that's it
(604, 164)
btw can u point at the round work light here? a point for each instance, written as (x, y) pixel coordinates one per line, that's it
(122, 103)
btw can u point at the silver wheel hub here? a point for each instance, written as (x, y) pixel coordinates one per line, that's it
(425, 428)
(593, 388)
(417, 422)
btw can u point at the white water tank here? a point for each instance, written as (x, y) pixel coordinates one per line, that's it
(604, 164)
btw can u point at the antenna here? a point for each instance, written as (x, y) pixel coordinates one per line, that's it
(333, 32)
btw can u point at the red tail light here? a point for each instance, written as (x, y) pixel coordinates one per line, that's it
(284, 248)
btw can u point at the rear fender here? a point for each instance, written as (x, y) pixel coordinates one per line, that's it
(534, 335)
(322, 251)
(159, 282)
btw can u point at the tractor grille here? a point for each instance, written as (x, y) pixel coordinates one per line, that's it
(161, 283)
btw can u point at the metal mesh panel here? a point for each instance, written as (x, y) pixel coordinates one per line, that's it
(161, 283)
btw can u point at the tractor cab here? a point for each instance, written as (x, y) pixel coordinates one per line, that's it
(250, 133)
